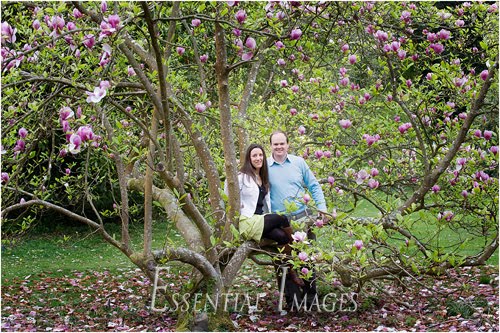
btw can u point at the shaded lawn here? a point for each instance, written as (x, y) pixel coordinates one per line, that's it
(463, 300)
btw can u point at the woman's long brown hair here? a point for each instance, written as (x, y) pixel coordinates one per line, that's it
(249, 170)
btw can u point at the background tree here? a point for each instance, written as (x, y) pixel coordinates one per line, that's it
(389, 103)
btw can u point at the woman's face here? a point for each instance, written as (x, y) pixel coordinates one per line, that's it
(257, 158)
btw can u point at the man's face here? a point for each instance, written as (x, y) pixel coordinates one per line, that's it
(279, 146)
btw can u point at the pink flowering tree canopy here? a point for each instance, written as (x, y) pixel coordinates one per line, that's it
(105, 101)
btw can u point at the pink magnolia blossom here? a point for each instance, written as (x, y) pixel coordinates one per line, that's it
(459, 23)
(65, 113)
(436, 188)
(279, 44)
(106, 30)
(345, 123)
(295, 89)
(493, 8)
(465, 194)
(352, 59)
(280, 15)
(345, 48)
(68, 171)
(77, 14)
(301, 130)
(432, 37)
(299, 236)
(436, 47)
(477, 133)
(104, 6)
(247, 56)
(408, 83)
(57, 24)
(344, 81)
(195, 22)
(487, 134)
(200, 107)
(358, 244)
(78, 112)
(89, 41)
(405, 16)
(335, 89)
(444, 15)
(484, 75)
(295, 34)
(241, 16)
(448, 215)
(401, 54)
(237, 32)
(459, 81)
(71, 26)
(395, 46)
(130, 71)
(281, 62)
(5, 178)
(303, 256)
(318, 154)
(36, 24)
(99, 92)
(65, 126)
(305, 270)
(63, 152)
(444, 34)
(180, 50)
(85, 133)
(404, 127)
(371, 139)
(306, 198)
(284, 83)
(494, 150)
(481, 175)
(114, 21)
(8, 33)
(75, 143)
(327, 154)
(293, 111)
(20, 145)
(251, 43)
(381, 35)
(319, 223)
(23, 132)
(374, 172)
(331, 180)
(373, 184)
(204, 58)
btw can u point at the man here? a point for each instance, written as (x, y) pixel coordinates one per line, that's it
(290, 176)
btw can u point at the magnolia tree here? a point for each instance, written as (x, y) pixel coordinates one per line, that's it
(394, 105)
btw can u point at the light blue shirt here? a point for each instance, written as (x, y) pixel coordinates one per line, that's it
(289, 181)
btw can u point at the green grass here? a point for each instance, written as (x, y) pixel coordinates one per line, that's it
(79, 249)
(425, 228)
(76, 249)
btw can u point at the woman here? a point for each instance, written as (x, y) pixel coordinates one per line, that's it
(255, 205)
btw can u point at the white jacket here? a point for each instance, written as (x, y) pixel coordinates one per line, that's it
(249, 194)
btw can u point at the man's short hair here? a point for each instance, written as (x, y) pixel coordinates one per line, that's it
(277, 132)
